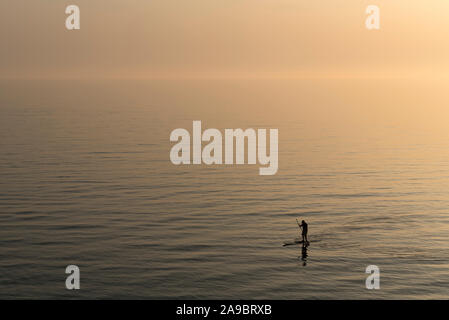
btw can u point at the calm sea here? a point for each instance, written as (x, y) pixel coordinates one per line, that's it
(85, 179)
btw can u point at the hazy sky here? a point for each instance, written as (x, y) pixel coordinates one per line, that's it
(146, 38)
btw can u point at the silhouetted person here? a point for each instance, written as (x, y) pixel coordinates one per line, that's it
(304, 228)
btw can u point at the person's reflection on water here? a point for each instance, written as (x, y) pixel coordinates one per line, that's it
(304, 254)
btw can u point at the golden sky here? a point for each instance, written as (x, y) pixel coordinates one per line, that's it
(151, 38)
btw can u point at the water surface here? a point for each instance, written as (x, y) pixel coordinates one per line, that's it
(86, 180)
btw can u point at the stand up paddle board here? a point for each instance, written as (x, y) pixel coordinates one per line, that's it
(307, 243)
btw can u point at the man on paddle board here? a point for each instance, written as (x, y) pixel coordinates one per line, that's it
(304, 227)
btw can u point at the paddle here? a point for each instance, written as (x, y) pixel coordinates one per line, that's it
(298, 224)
